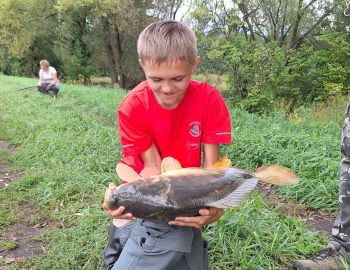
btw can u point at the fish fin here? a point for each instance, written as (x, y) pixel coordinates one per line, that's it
(277, 175)
(222, 163)
(187, 171)
(169, 164)
(126, 173)
(236, 197)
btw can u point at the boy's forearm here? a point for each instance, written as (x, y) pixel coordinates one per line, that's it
(210, 154)
(152, 161)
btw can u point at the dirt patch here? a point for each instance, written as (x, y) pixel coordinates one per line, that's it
(6, 174)
(20, 241)
(4, 145)
(8, 177)
(318, 220)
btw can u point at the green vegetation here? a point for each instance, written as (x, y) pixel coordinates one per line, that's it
(310, 148)
(67, 150)
(294, 52)
(256, 236)
(8, 245)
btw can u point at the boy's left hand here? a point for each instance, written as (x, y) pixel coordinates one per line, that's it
(206, 217)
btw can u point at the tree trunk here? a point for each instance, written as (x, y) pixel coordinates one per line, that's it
(122, 78)
(246, 15)
(295, 27)
(110, 50)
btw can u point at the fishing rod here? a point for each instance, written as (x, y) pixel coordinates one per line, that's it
(26, 88)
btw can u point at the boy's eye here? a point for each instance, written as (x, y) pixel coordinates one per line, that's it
(156, 80)
(178, 79)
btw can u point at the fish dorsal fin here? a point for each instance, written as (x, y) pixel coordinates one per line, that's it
(169, 164)
(235, 197)
(187, 171)
(222, 163)
(126, 173)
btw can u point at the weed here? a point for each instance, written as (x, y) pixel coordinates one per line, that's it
(67, 150)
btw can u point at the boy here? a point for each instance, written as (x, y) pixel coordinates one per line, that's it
(168, 115)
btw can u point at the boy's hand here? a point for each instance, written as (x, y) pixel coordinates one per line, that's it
(206, 217)
(118, 213)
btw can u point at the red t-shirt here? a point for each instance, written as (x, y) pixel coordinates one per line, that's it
(201, 117)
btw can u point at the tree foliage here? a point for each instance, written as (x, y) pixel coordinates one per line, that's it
(290, 51)
(294, 52)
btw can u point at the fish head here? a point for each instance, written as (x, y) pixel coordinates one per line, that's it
(110, 200)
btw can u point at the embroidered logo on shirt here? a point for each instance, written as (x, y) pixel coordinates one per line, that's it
(195, 129)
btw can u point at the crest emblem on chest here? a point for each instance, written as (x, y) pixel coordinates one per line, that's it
(195, 129)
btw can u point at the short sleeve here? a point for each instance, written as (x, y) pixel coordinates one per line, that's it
(134, 136)
(217, 125)
(41, 72)
(53, 70)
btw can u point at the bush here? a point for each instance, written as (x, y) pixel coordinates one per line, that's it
(256, 72)
(321, 70)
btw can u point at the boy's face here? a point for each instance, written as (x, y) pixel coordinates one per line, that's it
(169, 81)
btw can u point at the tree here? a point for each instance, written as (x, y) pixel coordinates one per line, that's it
(120, 32)
(27, 32)
(167, 9)
(287, 22)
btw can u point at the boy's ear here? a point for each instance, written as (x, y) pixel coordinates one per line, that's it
(196, 63)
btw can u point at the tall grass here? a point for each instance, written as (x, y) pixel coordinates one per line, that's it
(67, 149)
(311, 149)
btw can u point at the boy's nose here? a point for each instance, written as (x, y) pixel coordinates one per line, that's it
(167, 88)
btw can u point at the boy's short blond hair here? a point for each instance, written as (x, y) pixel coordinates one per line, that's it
(167, 40)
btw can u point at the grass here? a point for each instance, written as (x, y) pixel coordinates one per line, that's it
(67, 149)
(8, 245)
(310, 148)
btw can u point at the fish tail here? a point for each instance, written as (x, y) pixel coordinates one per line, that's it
(223, 163)
(277, 175)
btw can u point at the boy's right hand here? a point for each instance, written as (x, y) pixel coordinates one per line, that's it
(118, 213)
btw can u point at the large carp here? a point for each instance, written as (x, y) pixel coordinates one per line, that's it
(183, 191)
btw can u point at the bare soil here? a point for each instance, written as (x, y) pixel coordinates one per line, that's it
(26, 240)
(4, 145)
(8, 177)
(318, 220)
(6, 174)
(20, 240)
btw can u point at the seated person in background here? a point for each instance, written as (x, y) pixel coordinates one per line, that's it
(48, 80)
